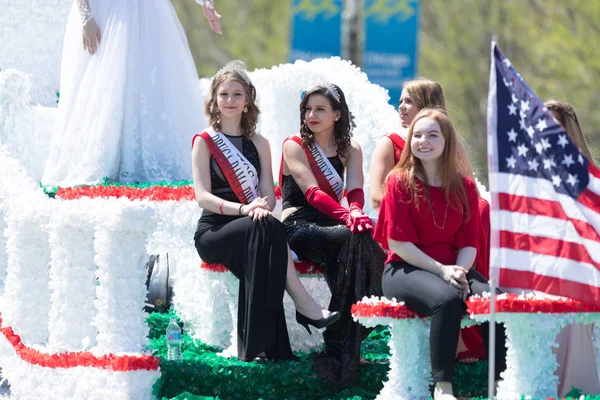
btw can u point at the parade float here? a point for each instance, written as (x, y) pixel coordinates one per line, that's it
(72, 276)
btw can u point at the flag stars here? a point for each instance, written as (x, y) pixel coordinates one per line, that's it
(530, 131)
(515, 99)
(580, 159)
(546, 143)
(511, 162)
(539, 147)
(522, 149)
(573, 180)
(556, 181)
(568, 160)
(512, 135)
(549, 163)
(533, 165)
(541, 125)
(512, 109)
(506, 62)
(507, 83)
(562, 141)
(525, 105)
(522, 125)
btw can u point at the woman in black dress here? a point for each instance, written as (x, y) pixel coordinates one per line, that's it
(321, 230)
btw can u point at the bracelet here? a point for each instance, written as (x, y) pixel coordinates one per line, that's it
(240, 209)
(221, 207)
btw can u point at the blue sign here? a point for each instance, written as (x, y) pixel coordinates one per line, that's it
(316, 29)
(390, 52)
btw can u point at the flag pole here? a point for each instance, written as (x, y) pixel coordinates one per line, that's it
(492, 281)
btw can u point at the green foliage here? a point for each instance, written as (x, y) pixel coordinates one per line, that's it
(547, 41)
(204, 375)
(254, 31)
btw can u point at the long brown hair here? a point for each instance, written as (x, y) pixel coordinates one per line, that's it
(409, 167)
(425, 93)
(567, 117)
(235, 71)
(341, 128)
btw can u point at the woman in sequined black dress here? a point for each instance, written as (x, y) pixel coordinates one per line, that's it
(322, 231)
(238, 230)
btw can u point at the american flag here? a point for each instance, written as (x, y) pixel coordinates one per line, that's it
(545, 195)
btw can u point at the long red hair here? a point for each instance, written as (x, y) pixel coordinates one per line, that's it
(452, 180)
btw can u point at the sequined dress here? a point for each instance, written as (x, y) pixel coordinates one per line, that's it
(353, 267)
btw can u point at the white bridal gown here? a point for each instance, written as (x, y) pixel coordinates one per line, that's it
(129, 111)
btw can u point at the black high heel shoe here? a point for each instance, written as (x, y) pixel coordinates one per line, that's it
(317, 323)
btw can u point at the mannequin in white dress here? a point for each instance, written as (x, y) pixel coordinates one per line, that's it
(129, 97)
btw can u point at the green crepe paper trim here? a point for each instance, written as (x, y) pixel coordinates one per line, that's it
(203, 375)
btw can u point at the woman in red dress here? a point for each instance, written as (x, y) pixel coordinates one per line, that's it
(429, 222)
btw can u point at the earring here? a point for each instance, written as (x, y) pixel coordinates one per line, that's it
(245, 109)
(337, 119)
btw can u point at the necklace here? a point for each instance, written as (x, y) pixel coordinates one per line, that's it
(433, 215)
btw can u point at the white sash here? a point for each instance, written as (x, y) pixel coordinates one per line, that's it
(244, 171)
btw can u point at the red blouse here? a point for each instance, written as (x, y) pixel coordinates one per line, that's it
(438, 235)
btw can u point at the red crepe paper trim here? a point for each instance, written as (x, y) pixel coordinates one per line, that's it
(302, 267)
(213, 267)
(80, 358)
(152, 193)
(518, 304)
(384, 309)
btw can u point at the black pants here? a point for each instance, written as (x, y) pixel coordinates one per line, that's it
(256, 253)
(429, 295)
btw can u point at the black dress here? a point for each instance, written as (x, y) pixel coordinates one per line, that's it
(256, 253)
(353, 267)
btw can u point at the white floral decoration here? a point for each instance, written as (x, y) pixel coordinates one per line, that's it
(35, 382)
(72, 276)
(32, 42)
(409, 376)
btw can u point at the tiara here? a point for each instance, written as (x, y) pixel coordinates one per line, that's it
(333, 90)
(237, 66)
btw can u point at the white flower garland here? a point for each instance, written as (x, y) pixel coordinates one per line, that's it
(3, 254)
(26, 301)
(120, 245)
(25, 130)
(35, 382)
(32, 42)
(409, 376)
(531, 363)
(72, 276)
